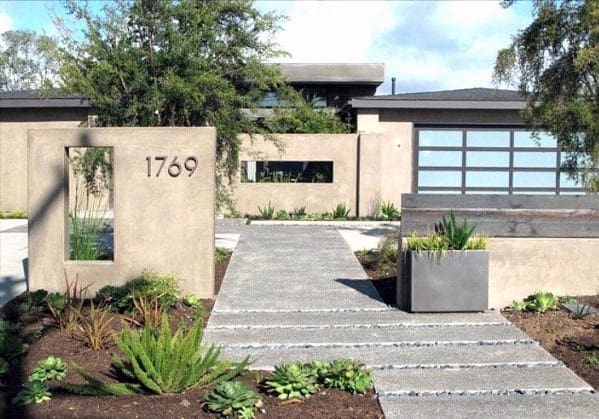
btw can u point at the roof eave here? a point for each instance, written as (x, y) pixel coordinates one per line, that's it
(45, 103)
(437, 104)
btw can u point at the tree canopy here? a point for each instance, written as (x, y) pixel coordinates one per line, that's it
(175, 63)
(555, 64)
(28, 61)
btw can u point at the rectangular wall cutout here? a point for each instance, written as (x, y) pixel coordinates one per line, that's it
(90, 234)
(278, 171)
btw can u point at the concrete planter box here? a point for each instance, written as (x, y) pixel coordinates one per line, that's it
(456, 280)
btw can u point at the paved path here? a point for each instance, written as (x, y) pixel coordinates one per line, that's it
(298, 293)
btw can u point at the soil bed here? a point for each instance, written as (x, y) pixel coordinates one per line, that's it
(326, 404)
(571, 341)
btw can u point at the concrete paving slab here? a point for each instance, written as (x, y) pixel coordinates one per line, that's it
(290, 267)
(470, 381)
(467, 356)
(407, 336)
(350, 317)
(512, 406)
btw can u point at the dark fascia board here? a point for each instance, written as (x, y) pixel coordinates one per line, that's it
(334, 73)
(437, 104)
(45, 103)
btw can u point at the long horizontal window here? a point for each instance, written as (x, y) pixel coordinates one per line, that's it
(501, 161)
(284, 171)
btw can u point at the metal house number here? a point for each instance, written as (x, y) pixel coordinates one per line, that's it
(174, 169)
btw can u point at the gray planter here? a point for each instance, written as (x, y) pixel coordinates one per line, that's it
(456, 280)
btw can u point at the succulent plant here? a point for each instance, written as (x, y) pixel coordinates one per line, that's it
(50, 368)
(292, 381)
(233, 398)
(543, 301)
(519, 306)
(191, 300)
(32, 392)
(349, 375)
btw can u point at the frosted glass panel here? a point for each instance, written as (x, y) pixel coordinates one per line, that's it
(534, 179)
(487, 158)
(525, 139)
(487, 179)
(440, 158)
(488, 138)
(439, 138)
(535, 159)
(439, 178)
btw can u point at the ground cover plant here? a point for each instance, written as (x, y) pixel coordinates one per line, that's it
(51, 371)
(387, 212)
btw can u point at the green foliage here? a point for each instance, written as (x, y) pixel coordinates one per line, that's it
(593, 360)
(456, 235)
(292, 381)
(302, 117)
(50, 368)
(11, 343)
(163, 362)
(581, 311)
(176, 63)
(348, 375)
(268, 212)
(4, 368)
(568, 299)
(282, 215)
(94, 386)
(28, 61)
(388, 211)
(66, 308)
(518, 306)
(17, 214)
(341, 211)
(299, 213)
(191, 300)
(233, 399)
(32, 392)
(150, 285)
(94, 166)
(221, 254)
(543, 301)
(555, 63)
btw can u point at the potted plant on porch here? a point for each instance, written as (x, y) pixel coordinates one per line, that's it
(449, 269)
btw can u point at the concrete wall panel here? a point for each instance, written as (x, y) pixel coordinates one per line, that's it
(164, 223)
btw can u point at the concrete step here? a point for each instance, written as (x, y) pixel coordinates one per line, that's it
(336, 318)
(470, 381)
(512, 406)
(469, 356)
(348, 336)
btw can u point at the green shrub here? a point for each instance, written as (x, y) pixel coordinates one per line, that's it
(163, 362)
(221, 254)
(292, 381)
(150, 285)
(299, 213)
(387, 254)
(233, 399)
(32, 392)
(50, 368)
(388, 211)
(282, 215)
(593, 360)
(192, 301)
(11, 343)
(267, 212)
(4, 368)
(20, 214)
(341, 211)
(543, 301)
(519, 306)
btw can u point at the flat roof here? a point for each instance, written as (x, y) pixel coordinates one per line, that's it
(36, 99)
(341, 73)
(474, 98)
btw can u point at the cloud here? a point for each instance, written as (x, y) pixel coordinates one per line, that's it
(5, 23)
(427, 45)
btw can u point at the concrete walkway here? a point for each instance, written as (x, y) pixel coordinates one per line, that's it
(298, 293)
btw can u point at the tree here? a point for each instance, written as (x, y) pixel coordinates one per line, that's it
(175, 63)
(303, 118)
(555, 63)
(27, 61)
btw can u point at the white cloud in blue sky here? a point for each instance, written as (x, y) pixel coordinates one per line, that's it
(426, 45)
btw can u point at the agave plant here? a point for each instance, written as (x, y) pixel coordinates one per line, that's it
(292, 381)
(457, 236)
(233, 398)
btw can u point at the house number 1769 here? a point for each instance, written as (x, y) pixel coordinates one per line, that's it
(174, 168)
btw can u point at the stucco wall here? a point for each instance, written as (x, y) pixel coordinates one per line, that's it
(14, 124)
(519, 267)
(317, 197)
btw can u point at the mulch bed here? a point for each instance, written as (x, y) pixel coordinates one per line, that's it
(326, 404)
(569, 340)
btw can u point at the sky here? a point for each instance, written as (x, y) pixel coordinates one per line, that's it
(426, 45)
